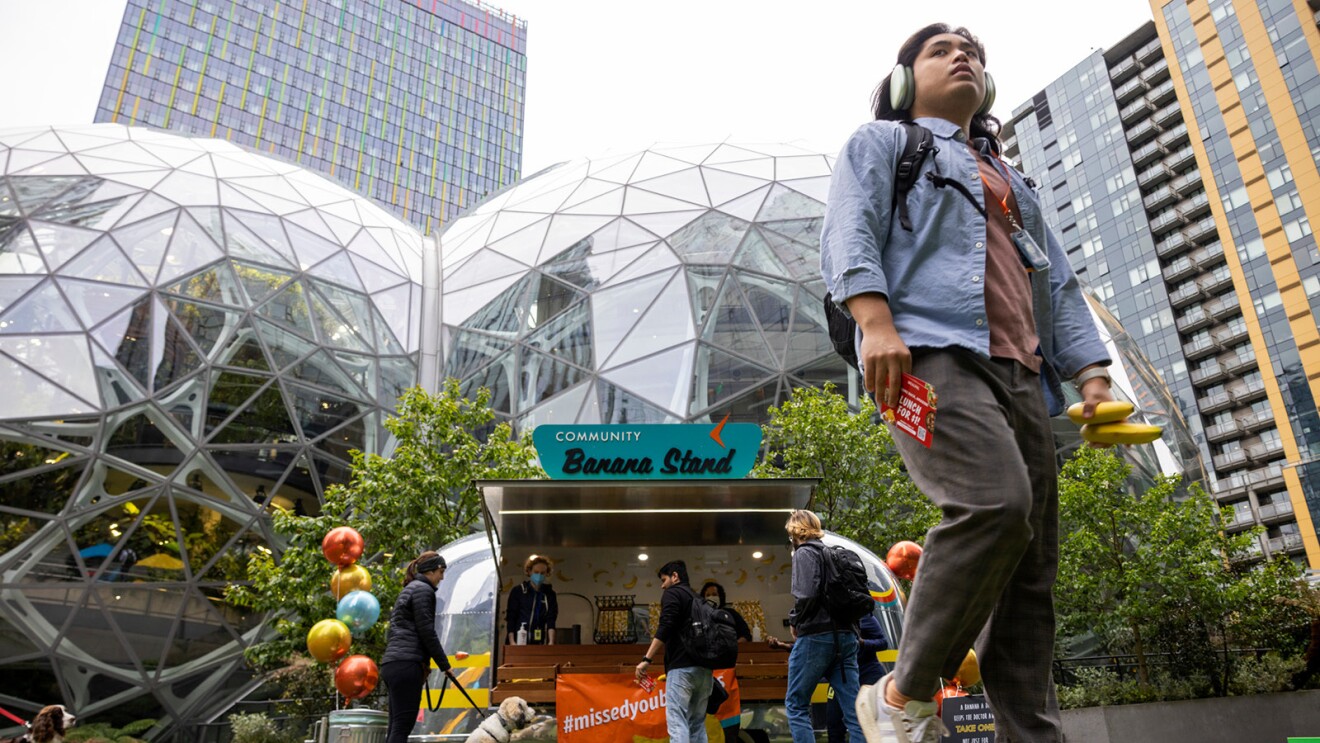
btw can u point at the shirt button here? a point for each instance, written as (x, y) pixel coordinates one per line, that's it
(980, 245)
(976, 279)
(979, 322)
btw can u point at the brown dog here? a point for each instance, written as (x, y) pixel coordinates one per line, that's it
(513, 715)
(48, 726)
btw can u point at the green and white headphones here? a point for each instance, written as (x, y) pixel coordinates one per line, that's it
(903, 90)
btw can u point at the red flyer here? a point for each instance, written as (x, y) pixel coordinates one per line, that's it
(915, 413)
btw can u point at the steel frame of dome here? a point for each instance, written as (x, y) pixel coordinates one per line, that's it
(189, 334)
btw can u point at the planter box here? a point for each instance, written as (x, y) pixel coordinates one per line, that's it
(1262, 718)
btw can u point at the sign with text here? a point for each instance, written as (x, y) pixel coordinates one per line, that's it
(915, 413)
(612, 708)
(968, 719)
(677, 451)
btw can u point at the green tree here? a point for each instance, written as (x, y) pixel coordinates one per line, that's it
(420, 497)
(865, 493)
(1150, 574)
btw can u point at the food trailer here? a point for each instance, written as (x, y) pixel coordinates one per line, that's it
(607, 536)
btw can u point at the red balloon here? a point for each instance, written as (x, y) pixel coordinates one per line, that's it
(356, 676)
(902, 559)
(342, 546)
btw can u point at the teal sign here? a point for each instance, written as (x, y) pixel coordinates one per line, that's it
(674, 451)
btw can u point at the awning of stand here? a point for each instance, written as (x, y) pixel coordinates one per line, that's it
(545, 514)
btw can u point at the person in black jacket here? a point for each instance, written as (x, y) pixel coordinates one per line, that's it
(687, 685)
(714, 593)
(533, 604)
(821, 647)
(412, 643)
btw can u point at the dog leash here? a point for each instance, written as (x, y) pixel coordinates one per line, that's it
(449, 676)
(14, 717)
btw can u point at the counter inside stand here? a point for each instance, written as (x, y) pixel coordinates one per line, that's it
(529, 671)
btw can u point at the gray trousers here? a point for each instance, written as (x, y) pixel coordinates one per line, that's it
(987, 572)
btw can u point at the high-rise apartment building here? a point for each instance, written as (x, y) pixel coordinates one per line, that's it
(417, 104)
(1181, 165)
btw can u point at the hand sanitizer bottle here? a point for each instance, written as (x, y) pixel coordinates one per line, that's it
(522, 634)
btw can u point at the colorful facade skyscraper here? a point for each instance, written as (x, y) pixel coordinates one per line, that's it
(1182, 165)
(417, 104)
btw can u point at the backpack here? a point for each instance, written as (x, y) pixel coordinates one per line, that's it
(843, 586)
(920, 143)
(709, 635)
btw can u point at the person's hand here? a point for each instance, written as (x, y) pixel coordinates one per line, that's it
(641, 670)
(1094, 392)
(886, 358)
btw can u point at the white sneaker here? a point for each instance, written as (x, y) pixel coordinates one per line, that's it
(915, 723)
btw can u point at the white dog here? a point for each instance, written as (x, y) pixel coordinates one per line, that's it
(512, 715)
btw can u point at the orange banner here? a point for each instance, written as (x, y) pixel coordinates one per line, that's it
(612, 708)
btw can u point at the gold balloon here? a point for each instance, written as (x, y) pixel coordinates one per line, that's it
(328, 640)
(349, 579)
(969, 673)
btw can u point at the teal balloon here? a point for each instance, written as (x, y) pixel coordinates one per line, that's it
(359, 610)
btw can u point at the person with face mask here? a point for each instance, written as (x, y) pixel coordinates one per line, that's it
(532, 605)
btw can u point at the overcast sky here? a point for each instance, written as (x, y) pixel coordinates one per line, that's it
(618, 75)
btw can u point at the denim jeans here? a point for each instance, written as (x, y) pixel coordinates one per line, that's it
(686, 692)
(831, 656)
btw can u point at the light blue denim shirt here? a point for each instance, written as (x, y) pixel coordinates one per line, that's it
(933, 275)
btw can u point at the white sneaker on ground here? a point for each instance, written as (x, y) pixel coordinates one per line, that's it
(915, 723)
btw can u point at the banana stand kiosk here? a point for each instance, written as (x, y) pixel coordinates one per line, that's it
(622, 501)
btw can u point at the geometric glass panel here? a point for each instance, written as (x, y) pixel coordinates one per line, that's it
(498, 378)
(784, 203)
(616, 405)
(319, 412)
(334, 329)
(752, 407)
(230, 391)
(666, 323)
(103, 262)
(289, 307)
(772, 304)
(178, 357)
(397, 375)
(146, 438)
(542, 377)
(259, 281)
(43, 310)
(711, 239)
(808, 338)
(567, 336)
(48, 490)
(207, 325)
(729, 325)
(319, 369)
(145, 242)
(719, 377)
(263, 420)
(799, 257)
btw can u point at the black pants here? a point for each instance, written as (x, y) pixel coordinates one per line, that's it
(403, 680)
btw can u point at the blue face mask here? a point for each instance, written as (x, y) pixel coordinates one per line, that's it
(538, 578)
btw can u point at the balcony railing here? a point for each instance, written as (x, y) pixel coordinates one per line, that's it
(1147, 152)
(1187, 181)
(1230, 334)
(1208, 374)
(1275, 510)
(1193, 320)
(1247, 392)
(1156, 72)
(1177, 134)
(1286, 543)
(1153, 175)
(1221, 431)
(1151, 54)
(1186, 293)
(1199, 348)
(1119, 72)
(1165, 221)
(1134, 111)
(1265, 450)
(1271, 475)
(1179, 269)
(1256, 421)
(1194, 207)
(1178, 159)
(1223, 306)
(1162, 93)
(1127, 90)
(1163, 196)
(1230, 460)
(1218, 279)
(1203, 229)
(1215, 402)
(1240, 363)
(1142, 132)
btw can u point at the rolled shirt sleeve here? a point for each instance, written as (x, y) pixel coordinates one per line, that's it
(858, 214)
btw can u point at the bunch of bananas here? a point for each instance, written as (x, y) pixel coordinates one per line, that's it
(1109, 424)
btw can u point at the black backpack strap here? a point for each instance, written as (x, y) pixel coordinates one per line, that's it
(920, 143)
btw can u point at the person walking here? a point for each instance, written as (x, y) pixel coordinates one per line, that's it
(822, 647)
(412, 643)
(688, 685)
(968, 290)
(533, 605)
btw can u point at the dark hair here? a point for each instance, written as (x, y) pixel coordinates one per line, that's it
(425, 563)
(983, 125)
(718, 588)
(671, 567)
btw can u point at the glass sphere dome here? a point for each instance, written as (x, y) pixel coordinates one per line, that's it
(190, 334)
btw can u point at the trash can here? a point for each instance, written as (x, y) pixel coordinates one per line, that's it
(358, 726)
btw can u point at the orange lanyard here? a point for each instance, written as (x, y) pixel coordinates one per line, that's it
(1003, 202)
